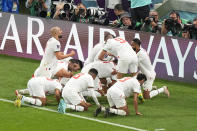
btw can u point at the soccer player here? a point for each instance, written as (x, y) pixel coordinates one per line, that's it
(106, 69)
(38, 87)
(64, 71)
(127, 58)
(52, 54)
(121, 90)
(146, 68)
(71, 93)
(93, 56)
(67, 68)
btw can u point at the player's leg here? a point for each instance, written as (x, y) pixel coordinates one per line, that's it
(133, 67)
(163, 89)
(32, 100)
(23, 91)
(116, 98)
(74, 101)
(122, 68)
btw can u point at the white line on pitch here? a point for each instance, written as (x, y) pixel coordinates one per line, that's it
(78, 116)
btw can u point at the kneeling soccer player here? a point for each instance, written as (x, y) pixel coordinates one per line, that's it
(37, 87)
(117, 94)
(71, 93)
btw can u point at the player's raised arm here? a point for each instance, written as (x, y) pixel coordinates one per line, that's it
(60, 55)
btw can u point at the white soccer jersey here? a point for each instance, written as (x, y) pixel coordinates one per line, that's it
(120, 48)
(60, 65)
(80, 82)
(144, 64)
(38, 86)
(94, 52)
(49, 59)
(104, 68)
(128, 85)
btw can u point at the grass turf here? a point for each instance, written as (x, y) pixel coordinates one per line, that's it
(178, 113)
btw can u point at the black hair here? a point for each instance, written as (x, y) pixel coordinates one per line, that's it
(141, 76)
(77, 62)
(118, 7)
(137, 41)
(195, 19)
(115, 61)
(107, 35)
(93, 71)
(174, 12)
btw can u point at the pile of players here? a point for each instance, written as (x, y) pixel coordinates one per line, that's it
(103, 74)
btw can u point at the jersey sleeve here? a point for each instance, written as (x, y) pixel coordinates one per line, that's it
(56, 46)
(90, 81)
(137, 88)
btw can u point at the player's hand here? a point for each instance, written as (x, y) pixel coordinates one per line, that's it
(114, 72)
(88, 104)
(72, 53)
(138, 113)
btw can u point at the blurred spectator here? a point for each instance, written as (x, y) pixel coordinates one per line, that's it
(152, 23)
(190, 30)
(128, 23)
(176, 17)
(173, 25)
(59, 12)
(80, 14)
(40, 8)
(10, 6)
(118, 10)
(140, 9)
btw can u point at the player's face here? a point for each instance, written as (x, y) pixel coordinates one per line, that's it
(133, 45)
(59, 33)
(75, 67)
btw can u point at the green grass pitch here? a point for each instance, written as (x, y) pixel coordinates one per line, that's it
(177, 113)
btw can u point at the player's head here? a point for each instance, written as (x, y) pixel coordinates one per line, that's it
(93, 72)
(135, 43)
(108, 36)
(141, 78)
(115, 61)
(56, 32)
(75, 65)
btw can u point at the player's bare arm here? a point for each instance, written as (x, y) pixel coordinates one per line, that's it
(60, 55)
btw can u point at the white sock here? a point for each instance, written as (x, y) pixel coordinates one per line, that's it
(117, 111)
(102, 108)
(32, 101)
(156, 92)
(76, 108)
(24, 91)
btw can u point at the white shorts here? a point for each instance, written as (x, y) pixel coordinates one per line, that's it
(148, 84)
(125, 65)
(72, 97)
(36, 89)
(116, 97)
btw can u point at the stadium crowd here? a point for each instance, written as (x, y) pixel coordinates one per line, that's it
(136, 16)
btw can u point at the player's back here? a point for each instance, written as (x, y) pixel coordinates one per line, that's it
(129, 85)
(80, 82)
(51, 85)
(144, 63)
(104, 68)
(120, 48)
